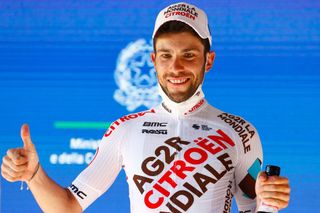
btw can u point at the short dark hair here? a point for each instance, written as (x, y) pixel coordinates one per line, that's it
(179, 27)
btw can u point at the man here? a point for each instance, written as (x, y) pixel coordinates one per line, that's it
(182, 156)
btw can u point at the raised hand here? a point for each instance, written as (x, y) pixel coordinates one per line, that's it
(21, 164)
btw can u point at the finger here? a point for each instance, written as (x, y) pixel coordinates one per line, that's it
(26, 138)
(262, 177)
(8, 177)
(17, 168)
(285, 188)
(11, 172)
(280, 204)
(274, 195)
(276, 180)
(16, 156)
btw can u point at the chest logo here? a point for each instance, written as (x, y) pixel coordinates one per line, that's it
(161, 171)
(202, 127)
(147, 129)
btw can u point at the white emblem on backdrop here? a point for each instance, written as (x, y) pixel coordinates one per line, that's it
(136, 77)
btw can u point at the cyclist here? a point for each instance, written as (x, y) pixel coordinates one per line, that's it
(182, 156)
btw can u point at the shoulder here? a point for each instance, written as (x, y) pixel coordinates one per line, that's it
(236, 122)
(242, 129)
(128, 120)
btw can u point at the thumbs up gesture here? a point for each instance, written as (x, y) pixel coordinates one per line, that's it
(21, 164)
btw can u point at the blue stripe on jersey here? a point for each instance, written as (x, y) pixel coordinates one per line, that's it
(254, 169)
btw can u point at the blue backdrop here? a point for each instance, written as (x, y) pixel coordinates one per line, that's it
(59, 59)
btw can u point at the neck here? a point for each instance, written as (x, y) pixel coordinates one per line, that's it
(186, 107)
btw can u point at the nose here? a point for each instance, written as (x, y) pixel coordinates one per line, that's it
(177, 64)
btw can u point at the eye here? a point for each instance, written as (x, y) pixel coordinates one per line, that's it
(189, 55)
(165, 55)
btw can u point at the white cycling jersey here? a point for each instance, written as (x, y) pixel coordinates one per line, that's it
(187, 157)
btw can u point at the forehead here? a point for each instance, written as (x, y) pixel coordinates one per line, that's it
(178, 41)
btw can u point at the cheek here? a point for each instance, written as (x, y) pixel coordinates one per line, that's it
(160, 74)
(162, 66)
(161, 69)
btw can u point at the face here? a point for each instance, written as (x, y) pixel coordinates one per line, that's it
(180, 63)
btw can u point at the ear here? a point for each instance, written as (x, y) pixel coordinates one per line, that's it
(209, 60)
(153, 58)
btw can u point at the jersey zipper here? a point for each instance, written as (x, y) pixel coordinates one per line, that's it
(177, 155)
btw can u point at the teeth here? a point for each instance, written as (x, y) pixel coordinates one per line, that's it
(177, 81)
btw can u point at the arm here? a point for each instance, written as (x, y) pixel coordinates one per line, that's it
(246, 171)
(102, 170)
(252, 187)
(22, 164)
(50, 196)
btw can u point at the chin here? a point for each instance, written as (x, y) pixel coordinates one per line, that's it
(178, 98)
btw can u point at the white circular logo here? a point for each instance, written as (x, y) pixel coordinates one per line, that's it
(136, 77)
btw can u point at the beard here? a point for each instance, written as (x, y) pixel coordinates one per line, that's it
(181, 96)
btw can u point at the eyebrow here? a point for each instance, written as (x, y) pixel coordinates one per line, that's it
(163, 50)
(184, 50)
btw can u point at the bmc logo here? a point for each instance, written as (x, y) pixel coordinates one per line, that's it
(155, 124)
(79, 193)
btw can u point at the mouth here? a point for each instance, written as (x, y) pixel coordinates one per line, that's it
(178, 81)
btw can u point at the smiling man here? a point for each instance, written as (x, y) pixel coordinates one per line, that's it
(182, 156)
(180, 60)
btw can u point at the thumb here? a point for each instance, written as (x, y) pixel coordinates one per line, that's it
(262, 177)
(26, 138)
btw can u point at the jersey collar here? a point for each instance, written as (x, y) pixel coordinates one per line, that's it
(183, 108)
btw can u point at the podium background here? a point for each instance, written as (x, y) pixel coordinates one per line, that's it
(57, 65)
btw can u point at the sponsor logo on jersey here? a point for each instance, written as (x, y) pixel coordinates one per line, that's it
(123, 119)
(76, 191)
(192, 109)
(202, 126)
(243, 128)
(228, 198)
(195, 126)
(161, 182)
(196, 106)
(155, 124)
(166, 108)
(136, 77)
(155, 131)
